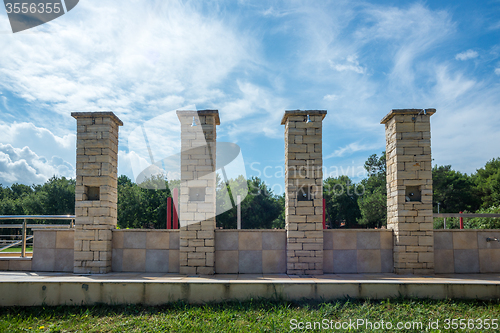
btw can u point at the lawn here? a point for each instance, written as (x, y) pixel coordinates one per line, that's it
(18, 249)
(257, 316)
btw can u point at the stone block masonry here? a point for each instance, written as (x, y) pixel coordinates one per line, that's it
(197, 192)
(409, 189)
(304, 191)
(95, 191)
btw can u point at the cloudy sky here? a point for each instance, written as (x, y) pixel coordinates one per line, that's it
(251, 60)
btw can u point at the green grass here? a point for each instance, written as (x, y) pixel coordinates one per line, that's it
(250, 316)
(18, 249)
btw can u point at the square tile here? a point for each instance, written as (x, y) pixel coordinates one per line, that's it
(328, 239)
(44, 259)
(250, 240)
(369, 261)
(134, 240)
(368, 240)
(327, 261)
(443, 261)
(250, 262)
(274, 240)
(116, 259)
(386, 239)
(344, 240)
(226, 262)
(65, 239)
(463, 240)
(273, 261)
(466, 261)
(226, 240)
(157, 240)
(43, 239)
(443, 240)
(173, 261)
(483, 244)
(174, 240)
(134, 260)
(20, 265)
(489, 260)
(64, 261)
(4, 265)
(386, 261)
(157, 261)
(345, 261)
(117, 239)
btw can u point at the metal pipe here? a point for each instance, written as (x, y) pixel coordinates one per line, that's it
(238, 211)
(461, 221)
(23, 249)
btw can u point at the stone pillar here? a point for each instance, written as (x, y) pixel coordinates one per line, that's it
(304, 191)
(96, 190)
(197, 192)
(409, 189)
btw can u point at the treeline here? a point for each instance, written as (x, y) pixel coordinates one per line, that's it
(348, 204)
(364, 204)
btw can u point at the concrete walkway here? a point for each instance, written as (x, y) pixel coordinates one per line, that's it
(36, 288)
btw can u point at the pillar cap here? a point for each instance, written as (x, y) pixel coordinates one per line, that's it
(191, 113)
(103, 114)
(394, 112)
(289, 113)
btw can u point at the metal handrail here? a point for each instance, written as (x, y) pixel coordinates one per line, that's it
(25, 226)
(446, 215)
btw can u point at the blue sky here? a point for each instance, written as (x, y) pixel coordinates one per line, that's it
(251, 60)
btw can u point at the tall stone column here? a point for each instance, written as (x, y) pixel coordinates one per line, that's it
(409, 189)
(96, 190)
(197, 192)
(304, 191)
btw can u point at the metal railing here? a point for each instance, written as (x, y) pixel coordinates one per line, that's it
(462, 215)
(24, 226)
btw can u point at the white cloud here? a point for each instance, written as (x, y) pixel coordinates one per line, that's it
(497, 71)
(350, 149)
(331, 97)
(44, 154)
(469, 54)
(351, 64)
(21, 165)
(130, 58)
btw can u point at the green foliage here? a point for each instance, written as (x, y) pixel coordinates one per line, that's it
(483, 222)
(487, 180)
(454, 191)
(140, 207)
(373, 202)
(261, 208)
(340, 195)
(261, 315)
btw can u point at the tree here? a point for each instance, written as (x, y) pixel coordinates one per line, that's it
(453, 190)
(341, 201)
(261, 208)
(373, 202)
(487, 180)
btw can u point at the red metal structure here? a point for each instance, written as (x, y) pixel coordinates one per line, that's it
(169, 213)
(461, 222)
(176, 202)
(324, 213)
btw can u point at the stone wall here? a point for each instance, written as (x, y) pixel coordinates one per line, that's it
(409, 189)
(146, 250)
(95, 190)
(53, 250)
(304, 190)
(466, 251)
(357, 251)
(258, 251)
